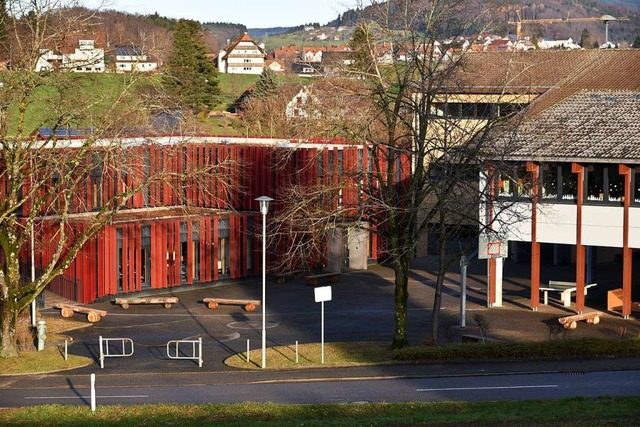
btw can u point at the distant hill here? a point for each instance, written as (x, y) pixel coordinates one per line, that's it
(258, 33)
(620, 32)
(224, 32)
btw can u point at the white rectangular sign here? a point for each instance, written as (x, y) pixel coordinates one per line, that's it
(323, 293)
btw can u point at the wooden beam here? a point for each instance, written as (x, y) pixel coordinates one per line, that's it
(534, 169)
(627, 253)
(578, 169)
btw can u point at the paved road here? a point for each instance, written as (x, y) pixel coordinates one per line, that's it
(361, 310)
(75, 390)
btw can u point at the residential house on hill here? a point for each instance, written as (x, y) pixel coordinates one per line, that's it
(242, 56)
(131, 58)
(85, 58)
(277, 66)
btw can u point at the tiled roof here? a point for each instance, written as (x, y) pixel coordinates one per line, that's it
(561, 72)
(241, 38)
(601, 125)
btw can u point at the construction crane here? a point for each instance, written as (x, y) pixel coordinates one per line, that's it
(603, 18)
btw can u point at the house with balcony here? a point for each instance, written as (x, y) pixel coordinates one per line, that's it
(242, 56)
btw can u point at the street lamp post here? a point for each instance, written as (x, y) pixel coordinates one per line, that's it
(264, 208)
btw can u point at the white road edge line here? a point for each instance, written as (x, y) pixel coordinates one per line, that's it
(138, 396)
(511, 387)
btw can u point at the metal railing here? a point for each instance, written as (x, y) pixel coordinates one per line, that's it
(196, 350)
(105, 347)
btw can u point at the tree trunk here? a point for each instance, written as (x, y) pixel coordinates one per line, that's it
(9, 321)
(442, 269)
(401, 269)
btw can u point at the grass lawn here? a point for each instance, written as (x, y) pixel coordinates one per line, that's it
(368, 353)
(51, 359)
(603, 411)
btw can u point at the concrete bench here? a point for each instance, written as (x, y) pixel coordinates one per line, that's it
(565, 289)
(249, 304)
(165, 301)
(93, 315)
(315, 279)
(571, 322)
(282, 277)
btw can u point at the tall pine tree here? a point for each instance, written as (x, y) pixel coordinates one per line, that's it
(266, 85)
(190, 75)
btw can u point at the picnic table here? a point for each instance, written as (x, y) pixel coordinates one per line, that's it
(565, 289)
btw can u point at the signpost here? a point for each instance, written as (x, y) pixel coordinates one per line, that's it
(322, 294)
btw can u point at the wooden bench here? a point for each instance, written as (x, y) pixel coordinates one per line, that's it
(93, 315)
(315, 279)
(282, 277)
(165, 301)
(565, 289)
(249, 304)
(571, 322)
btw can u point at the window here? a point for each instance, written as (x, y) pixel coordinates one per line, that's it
(514, 181)
(604, 184)
(595, 183)
(551, 175)
(569, 183)
(473, 110)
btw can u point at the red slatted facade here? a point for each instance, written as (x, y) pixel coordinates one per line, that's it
(209, 228)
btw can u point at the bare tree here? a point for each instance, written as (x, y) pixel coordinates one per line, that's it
(51, 182)
(410, 72)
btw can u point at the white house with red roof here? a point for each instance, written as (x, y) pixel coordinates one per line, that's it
(242, 56)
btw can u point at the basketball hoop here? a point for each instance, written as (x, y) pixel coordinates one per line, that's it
(492, 246)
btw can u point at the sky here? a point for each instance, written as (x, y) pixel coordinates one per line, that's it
(252, 13)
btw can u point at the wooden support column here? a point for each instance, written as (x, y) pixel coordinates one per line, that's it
(190, 253)
(579, 170)
(491, 262)
(535, 246)
(627, 253)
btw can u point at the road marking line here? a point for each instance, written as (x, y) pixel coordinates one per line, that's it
(133, 396)
(511, 387)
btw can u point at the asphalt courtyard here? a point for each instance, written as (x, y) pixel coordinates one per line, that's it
(361, 309)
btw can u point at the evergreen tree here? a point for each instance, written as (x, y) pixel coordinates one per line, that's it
(266, 85)
(362, 49)
(190, 75)
(4, 22)
(636, 42)
(585, 39)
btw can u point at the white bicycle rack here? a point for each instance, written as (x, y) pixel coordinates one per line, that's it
(104, 348)
(196, 350)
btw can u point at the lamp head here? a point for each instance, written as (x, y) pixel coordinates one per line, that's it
(264, 204)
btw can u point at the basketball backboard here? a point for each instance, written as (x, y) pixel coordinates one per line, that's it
(492, 246)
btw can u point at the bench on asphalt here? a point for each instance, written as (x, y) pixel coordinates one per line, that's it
(249, 304)
(93, 315)
(565, 289)
(315, 279)
(571, 322)
(165, 301)
(282, 277)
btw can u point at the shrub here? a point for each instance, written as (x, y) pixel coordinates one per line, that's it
(569, 348)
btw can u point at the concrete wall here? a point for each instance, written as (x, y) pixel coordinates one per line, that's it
(602, 226)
